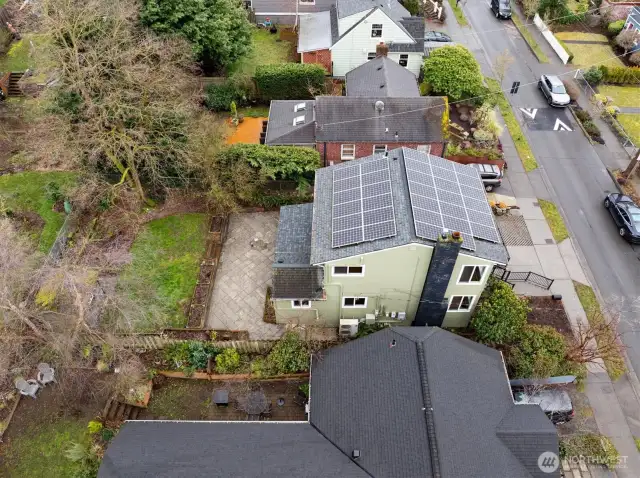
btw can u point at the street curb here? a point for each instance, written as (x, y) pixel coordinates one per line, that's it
(584, 131)
(615, 181)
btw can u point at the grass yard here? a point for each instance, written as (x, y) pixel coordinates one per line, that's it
(615, 365)
(589, 53)
(631, 124)
(18, 57)
(26, 195)
(457, 11)
(161, 277)
(39, 450)
(622, 95)
(554, 219)
(254, 111)
(266, 51)
(528, 37)
(522, 145)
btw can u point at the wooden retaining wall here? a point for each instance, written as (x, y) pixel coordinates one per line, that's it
(157, 342)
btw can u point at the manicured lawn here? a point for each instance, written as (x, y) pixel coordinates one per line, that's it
(589, 53)
(615, 365)
(255, 111)
(631, 124)
(457, 11)
(526, 34)
(554, 219)
(162, 274)
(27, 193)
(39, 451)
(266, 51)
(622, 95)
(522, 146)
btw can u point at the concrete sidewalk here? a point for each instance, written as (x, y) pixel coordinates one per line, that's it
(561, 263)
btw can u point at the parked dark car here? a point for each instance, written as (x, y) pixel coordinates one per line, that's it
(553, 89)
(491, 175)
(501, 8)
(626, 215)
(555, 403)
(436, 36)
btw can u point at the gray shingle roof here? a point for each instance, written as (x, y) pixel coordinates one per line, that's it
(382, 77)
(340, 118)
(297, 282)
(373, 384)
(281, 130)
(315, 32)
(230, 450)
(287, 6)
(415, 27)
(391, 7)
(293, 243)
(321, 250)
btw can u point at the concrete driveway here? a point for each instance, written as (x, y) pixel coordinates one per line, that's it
(237, 301)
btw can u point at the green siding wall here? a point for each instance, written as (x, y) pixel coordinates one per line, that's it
(392, 281)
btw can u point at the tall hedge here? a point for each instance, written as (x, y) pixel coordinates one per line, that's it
(620, 75)
(244, 169)
(289, 81)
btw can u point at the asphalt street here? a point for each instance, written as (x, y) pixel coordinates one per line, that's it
(575, 177)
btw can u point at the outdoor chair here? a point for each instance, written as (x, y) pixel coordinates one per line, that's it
(27, 387)
(46, 374)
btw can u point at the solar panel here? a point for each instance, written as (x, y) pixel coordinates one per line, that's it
(448, 195)
(362, 203)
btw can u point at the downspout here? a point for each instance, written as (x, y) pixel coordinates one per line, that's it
(325, 154)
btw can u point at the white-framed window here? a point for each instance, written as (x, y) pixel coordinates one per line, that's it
(461, 303)
(371, 55)
(354, 302)
(472, 274)
(300, 304)
(299, 107)
(404, 60)
(298, 120)
(379, 148)
(376, 30)
(425, 148)
(348, 271)
(348, 151)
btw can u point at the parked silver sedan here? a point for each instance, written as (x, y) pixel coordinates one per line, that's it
(553, 89)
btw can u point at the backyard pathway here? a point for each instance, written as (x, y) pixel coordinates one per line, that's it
(237, 301)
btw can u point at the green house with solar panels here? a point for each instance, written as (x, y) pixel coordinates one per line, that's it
(402, 237)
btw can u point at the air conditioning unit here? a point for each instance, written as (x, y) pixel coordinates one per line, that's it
(402, 315)
(369, 319)
(348, 327)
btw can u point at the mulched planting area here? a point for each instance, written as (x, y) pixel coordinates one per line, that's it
(188, 399)
(546, 311)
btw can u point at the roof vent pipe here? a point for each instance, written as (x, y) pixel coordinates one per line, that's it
(379, 106)
(355, 454)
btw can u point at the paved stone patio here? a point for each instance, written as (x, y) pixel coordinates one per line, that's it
(237, 301)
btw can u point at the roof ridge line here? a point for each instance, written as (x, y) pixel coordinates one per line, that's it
(339, 449)
(428, 411)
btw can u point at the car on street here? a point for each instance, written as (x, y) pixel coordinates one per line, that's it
(437, 36)
(553, 89)
(501, 8)
(491, 175)
(555, 403)
(626, 215)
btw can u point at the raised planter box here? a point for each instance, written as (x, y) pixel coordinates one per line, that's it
(474, 159)
(233, 376)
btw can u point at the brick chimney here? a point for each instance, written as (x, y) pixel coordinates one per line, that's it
(381, 49)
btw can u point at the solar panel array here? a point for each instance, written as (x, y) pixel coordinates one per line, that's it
(362, 203)
(447, 195)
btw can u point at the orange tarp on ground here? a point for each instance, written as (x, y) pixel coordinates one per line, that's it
(247, 132)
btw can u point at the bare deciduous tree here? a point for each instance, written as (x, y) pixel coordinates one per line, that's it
(501, 65)
(530, 7)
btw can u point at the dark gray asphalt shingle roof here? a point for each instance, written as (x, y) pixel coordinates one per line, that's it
(293, 243)
(391, 7)
(281, 130)
(382, 77)
(368, 385)
(415, 27)
(346, 118)
(321, 244)
(222, 449)
(287, 6)
(294, 282)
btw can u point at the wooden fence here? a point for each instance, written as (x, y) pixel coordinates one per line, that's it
(159, 341)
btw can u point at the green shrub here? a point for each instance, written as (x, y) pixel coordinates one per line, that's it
(190, 356)
(220, 97)
(592, 445)
(593, 75)
(107, 434)
(615, 27)
(290, 354)
(94, 427)
(228, 361)
(500, 316)
(583, 115)
(620, 75)
(289, 81)
(413, 6)
(304, 388)
(540, 351)
(425, 89)
(453, 71)
(260, 367)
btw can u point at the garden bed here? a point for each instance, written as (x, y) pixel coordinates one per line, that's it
(546, 311)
